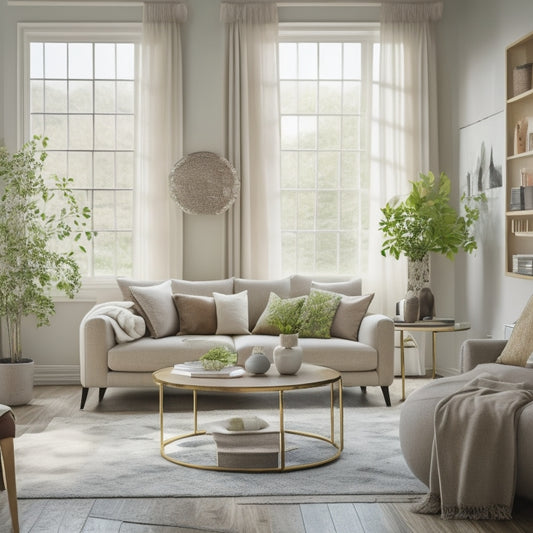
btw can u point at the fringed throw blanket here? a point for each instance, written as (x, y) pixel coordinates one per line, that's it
(473, 460)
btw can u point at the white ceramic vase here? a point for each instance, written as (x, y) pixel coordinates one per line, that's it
(288, 355)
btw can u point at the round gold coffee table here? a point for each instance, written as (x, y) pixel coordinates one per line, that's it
(309, 376)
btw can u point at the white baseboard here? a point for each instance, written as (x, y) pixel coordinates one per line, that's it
(56, 375)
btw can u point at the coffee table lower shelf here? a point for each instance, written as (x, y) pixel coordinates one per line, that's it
(309, 376)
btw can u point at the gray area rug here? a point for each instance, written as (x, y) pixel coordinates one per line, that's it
(116, 454)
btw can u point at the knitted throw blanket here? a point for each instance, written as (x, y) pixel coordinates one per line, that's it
(473, 459)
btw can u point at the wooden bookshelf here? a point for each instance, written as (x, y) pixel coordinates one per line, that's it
(518, 107)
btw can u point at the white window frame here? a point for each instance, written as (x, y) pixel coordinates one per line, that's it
(28, 32)
(368, 34)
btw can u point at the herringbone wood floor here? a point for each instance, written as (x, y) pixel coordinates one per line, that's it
(347, 514)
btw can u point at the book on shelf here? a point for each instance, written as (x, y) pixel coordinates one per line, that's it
(194, 369)
(436, 321)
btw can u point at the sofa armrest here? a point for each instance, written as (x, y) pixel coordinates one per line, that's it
(478, 351)
(97, 337)
(377, 331)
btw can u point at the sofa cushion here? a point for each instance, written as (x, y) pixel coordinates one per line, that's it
(292, 306)
(197, 314)
(520, 344)
(157, 307)
(149, 355)
(232, 313)
(124, 285)
(259, 292)
(349, 314)
(301, 285)
(317, 314)
(341, 354)
(202, 288)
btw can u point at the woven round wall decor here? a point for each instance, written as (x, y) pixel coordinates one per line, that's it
(203, 183)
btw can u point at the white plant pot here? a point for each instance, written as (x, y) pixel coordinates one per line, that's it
(288, 355)
(16, 382)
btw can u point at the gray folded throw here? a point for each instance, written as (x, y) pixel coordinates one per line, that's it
(473, 459)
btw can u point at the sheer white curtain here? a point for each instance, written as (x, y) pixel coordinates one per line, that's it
(252, 132)
(405, 128)
(158, 233)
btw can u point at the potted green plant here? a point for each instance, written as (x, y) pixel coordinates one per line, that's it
(36, 213)
(426, 222)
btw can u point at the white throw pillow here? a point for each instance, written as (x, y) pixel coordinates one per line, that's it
(157, 307)
(232, 313)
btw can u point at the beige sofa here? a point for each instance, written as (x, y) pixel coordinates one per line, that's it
(174, 313)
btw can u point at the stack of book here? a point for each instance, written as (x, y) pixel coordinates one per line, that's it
(246, 449)
(194, 369)
(523, 264)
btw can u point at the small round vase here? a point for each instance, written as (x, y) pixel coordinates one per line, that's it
(288, 355)
(257, 363)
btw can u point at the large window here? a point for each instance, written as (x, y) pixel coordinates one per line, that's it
(80, 92)
(326, 79)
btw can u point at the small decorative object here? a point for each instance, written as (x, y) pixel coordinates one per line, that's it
(427, 303)
(520, 136)
(288, 355)
(203, 183)
(258, 362)
(411, 309)
(521, 79)
(218, 358)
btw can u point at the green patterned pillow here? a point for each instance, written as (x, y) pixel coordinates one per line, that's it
(318, 312)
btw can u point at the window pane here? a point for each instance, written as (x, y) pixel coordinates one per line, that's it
(55, 97)
(125, 61)
(307, 61)
(289, 132)
(55, 128)
(327, 210)
(330, 61)
(326, 252)
(104, 210)
(350, 133)
(329, 136)
(104, 254)
(125, 97)
(80, 132)
(125, 169)
(104, 96)
(104, 132)
(351, 97)
(288, 61)
(55, 60)
(80, 166)
(352, 61)
(80, 60)
(125, 131)
(306, 210)
(56, 163)
(307, 97)
(289, 96)
(289, 169)
(104, 170)
(36, 60)
(328, 170)
(307, 170)
(124, 203)
(307, 133)
(330, 100)
(80, 97)
(124, 254)
(37, 96)
(104, 61)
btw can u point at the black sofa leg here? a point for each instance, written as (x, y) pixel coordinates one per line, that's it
(84, 392)
(385, 391)
(101, 393)
(363, 390)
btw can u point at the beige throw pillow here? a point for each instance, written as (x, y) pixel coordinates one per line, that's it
(156, 306)
(520, 344)
(232, 313)
(349, 315)
(197, 314)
